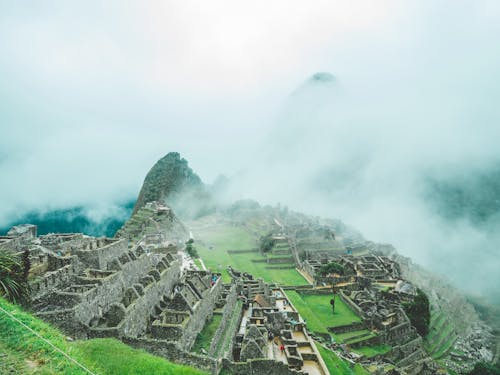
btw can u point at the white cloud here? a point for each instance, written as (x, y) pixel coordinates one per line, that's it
(93, 93)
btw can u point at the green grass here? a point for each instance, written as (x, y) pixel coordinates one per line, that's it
(225, 237)
(336, 365)
(440, 329)
(371, 351)
(341, 337)
(116, 358)
(204, 338)
(317, 311)
(32, 355)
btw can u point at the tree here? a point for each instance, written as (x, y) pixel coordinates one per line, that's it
(13, 278)
(190, 249)
(267, 243)
(419, 313)
(331, 267)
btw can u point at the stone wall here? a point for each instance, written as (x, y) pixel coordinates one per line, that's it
(100, 257)
(202, 312)
(257, 367)
(347, 328)
(53, 280)
(351, 304)
(228, 310)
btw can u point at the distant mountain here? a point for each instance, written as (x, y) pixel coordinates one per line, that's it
(171, 180)
(472, 194)
(75, 220)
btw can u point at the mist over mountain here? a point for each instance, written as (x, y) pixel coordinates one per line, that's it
(399, 177)
(383, 115)
(173, 181)
(75, 220)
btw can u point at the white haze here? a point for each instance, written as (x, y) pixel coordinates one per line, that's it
(93, 93)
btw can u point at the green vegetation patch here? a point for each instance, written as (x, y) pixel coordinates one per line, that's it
(33, 355)
(204, 338)
(214, 242)
(371, 351)
(116, 358)
(317, 311)
(336, 365)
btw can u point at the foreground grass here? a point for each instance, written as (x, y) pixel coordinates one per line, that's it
(116, 358)
(28, 354)
(336, 365)
(317, 311)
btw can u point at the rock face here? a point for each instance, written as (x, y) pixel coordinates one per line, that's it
(172, 181)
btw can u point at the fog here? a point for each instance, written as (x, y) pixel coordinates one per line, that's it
(92, 94)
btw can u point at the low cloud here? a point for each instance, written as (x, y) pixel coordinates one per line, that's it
(91, 95)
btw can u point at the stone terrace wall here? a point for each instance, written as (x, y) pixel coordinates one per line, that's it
(203, 311)
(258, 367)
(138, 312)
(351, 304)
(53, 280)
(100, 258)
(226, 319)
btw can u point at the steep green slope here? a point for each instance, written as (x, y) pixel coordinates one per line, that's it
(173, 181)
(24, 352)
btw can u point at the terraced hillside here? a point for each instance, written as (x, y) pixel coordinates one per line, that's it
(221, 244)
(153, 220)
(441, 337)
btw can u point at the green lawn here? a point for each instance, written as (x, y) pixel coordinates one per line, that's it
(317, 311)
(337, 366)
(371, 351)
(115, 358)
(30, 354)
(213, 242)
(441, 335)
(341, 337)
(204, 338)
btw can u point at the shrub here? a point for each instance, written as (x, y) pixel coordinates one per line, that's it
(332, 267)
(267, 243)
(419, 313)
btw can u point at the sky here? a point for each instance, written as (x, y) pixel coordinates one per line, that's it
(93, 93)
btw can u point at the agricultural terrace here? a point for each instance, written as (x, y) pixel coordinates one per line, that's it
(221, 245)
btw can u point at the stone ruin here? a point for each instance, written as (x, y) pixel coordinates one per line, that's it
(109, 287)
(271, 331)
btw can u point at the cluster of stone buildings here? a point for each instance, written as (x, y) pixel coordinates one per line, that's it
(143, 293)
(373, 287)
(271, 330)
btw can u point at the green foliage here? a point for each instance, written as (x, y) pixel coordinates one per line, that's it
(191, 250)
(483, 368)
(332, 267)
(419, 313)
(267, 243)
(13, 284)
